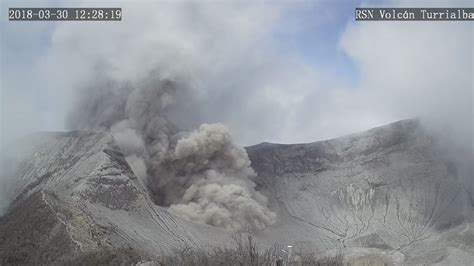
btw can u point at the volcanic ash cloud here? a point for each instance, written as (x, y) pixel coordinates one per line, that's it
(222, 193)
(202, 175)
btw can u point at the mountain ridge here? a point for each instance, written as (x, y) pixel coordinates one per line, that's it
(388, 188)
(86, 188)
(386, 192)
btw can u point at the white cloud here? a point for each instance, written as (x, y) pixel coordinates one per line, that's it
(415, 69)
(238, 78)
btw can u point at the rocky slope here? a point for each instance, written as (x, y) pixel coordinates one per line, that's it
(387, 193)
(75, 198)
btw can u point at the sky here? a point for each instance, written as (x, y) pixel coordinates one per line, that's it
(276, 71)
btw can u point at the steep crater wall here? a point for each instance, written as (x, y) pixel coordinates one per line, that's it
(388, 188)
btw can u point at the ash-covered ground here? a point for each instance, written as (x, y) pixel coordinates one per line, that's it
(386, 194)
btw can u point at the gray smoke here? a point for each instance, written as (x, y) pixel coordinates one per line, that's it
(202, 175)
(176, 65)
(220, 193)
(141, 82)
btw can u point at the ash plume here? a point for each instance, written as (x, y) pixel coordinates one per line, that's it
(221, 193)
(169, 67)
(145, 84)
(202, 175)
